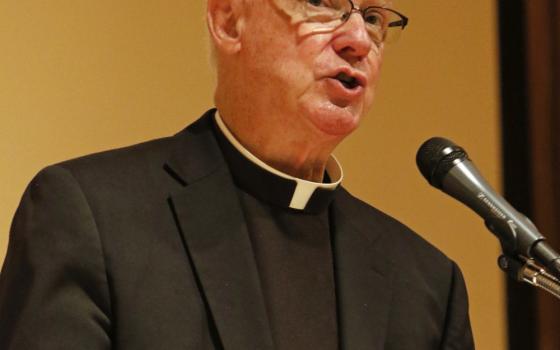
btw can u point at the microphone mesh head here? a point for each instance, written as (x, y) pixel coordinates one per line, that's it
(436, 157)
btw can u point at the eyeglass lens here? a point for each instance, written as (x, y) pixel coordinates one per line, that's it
(382, 24)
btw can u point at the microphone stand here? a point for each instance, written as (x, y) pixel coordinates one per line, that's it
(527, 270)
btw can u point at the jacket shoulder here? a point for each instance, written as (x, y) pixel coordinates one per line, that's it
(116, 161)
(144, 160)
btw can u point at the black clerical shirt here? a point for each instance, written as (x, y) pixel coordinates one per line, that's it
(291, 243)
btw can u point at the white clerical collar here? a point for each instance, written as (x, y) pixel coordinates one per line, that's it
(304, 189)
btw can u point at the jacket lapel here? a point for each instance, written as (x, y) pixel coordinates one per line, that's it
(364, 275)
(213, 227)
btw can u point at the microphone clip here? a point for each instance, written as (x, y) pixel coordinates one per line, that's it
(526, 270)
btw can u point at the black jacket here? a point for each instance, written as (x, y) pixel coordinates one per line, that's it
(146, 247)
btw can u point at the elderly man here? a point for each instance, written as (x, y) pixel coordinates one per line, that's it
(235, 233)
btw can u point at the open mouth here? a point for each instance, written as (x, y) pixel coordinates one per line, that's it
(348, 81)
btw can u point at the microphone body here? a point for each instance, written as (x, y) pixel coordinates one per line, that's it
(515, 230)
(448, 167)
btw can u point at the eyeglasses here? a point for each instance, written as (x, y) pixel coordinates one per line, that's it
(382, 24)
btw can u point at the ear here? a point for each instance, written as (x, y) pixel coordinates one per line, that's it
(225, 24)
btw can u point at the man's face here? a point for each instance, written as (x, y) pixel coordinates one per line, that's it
(312, 83)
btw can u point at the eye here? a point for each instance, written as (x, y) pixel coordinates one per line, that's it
(373, 17)
(320, 3)
(316, 2)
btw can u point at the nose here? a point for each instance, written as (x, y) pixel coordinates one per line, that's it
(352, 41)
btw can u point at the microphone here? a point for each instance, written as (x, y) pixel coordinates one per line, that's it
(447, 167)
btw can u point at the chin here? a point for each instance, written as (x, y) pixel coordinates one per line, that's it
(333, 120)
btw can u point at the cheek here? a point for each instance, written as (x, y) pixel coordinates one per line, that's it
(269, 67)
(299, 66)
(314, 60)
(375, 62)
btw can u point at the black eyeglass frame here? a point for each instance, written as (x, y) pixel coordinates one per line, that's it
(400, 23)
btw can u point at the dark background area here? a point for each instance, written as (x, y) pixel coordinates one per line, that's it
(530, 87)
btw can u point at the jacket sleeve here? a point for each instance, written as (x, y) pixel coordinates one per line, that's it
(457, 334)
(53, 286)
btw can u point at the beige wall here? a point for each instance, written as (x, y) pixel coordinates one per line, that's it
(82, 76)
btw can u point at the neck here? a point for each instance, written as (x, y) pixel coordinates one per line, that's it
(302, 157)
(301, 163)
